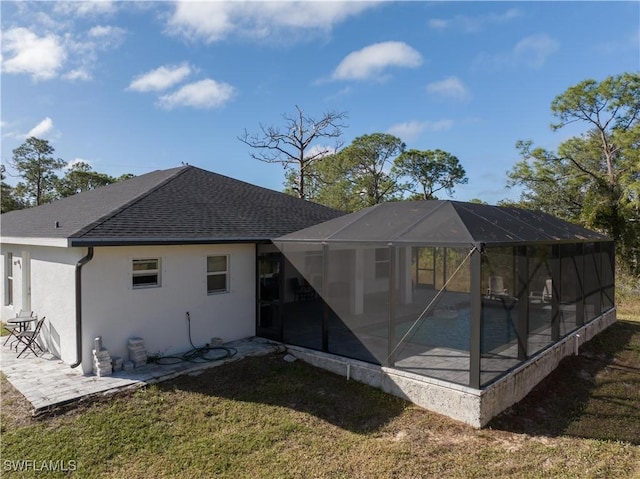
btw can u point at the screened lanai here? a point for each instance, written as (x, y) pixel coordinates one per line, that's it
(455, 291)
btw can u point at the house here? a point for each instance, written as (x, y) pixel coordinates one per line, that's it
(460, 308)
(133, 258)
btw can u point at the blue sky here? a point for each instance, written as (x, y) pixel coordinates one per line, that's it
(131, 87)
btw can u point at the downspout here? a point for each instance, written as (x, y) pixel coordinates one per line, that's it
(79, 266)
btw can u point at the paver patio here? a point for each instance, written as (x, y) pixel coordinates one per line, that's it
(47, 382)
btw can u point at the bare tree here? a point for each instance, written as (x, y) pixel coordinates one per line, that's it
(295, 143)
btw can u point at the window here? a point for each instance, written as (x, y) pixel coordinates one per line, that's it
(382, 263)
(146, 273)
(217, 274)
(9, 280)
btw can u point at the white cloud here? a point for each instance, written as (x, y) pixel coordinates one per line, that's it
(46, 57)
(535, 49)
(77, 74)
(161, 78)
(85, 8)
(373, 60)
(411, 130)
(474, 24)
(320, 151)
(215, 21)
(108, 35)
(41, 129)
(204, 94)
(102, 31)
(26, 52)
(450, 87)
(532, 52)
(438, 23)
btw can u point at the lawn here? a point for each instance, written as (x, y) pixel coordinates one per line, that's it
(265, 417)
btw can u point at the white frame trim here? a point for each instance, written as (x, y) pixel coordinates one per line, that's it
(147, 272)
(226, 272)
(9, 299)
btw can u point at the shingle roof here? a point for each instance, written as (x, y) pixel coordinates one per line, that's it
(179, 205)
(443, 222)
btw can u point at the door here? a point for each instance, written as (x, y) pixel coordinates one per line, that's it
(424, 263)
(270, 272)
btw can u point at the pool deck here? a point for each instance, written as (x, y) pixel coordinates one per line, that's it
(48, 383)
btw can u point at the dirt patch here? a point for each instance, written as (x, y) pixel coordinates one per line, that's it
(15, 410)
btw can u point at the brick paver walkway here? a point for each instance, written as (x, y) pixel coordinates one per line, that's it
(47, 382)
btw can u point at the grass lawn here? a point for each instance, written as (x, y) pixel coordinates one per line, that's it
(265, 417)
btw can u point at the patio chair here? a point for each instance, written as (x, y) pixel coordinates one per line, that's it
(14, 329)
(303, 291)
(29, 338)
(496, 287)
(544, 296)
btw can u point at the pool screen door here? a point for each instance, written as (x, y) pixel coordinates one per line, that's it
(270, 268)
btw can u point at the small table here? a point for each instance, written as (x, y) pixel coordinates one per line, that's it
(22, 322)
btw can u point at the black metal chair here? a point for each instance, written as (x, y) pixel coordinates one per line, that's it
(302, 290)
(16, 328)
(29, 338)
(13, 329)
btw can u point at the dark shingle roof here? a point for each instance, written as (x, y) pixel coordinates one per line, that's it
(179, 205)
(443, 222)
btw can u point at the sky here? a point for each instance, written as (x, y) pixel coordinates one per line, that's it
(132, 87)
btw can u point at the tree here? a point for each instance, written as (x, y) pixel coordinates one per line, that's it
(35, 164)
(594, 178)
(432, 170)
(297, 143)
(8, 200)
(360, 175)
(81, 177)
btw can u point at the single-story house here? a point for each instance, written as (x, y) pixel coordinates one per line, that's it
(132, 258)
(461, 308)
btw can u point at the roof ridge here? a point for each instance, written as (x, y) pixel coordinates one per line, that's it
(364, 212)
(87, 228)
(502, 210)
(422, 217)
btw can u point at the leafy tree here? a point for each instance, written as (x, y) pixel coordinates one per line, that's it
(125, 176)
(35, 164)
(431, 171)
(594, 178)
(8, 200)
(360, 175)
(81, 177)
(297, 143)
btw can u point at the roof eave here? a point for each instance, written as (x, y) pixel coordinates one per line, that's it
(84, 242)
(36, 241)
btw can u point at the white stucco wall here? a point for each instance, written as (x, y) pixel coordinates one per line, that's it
(52, 284)
(115, 311)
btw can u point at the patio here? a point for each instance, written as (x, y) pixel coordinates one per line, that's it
(46, 382)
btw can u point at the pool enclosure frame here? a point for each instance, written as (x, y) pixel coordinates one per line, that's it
(460, 292)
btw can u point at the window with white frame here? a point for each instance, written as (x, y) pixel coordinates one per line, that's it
(382, 263)
(9, 280)
(217, 274)
(145, 273)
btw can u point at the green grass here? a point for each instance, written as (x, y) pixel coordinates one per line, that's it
(267, 418)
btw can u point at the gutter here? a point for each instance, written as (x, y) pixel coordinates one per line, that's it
(79, 266)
